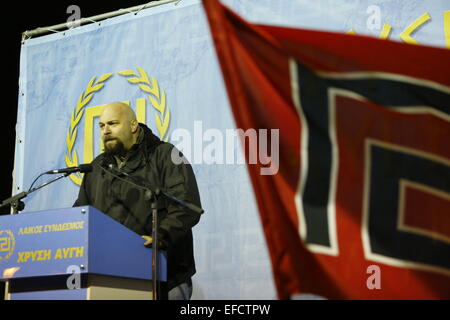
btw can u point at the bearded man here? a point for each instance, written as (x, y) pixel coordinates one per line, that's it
(132, 149)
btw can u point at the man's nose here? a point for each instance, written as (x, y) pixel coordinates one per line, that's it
(106, 130)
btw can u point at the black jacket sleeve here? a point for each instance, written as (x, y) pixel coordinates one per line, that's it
(179, 181)
(82, 199)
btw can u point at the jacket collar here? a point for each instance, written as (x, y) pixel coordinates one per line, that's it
(138, 155)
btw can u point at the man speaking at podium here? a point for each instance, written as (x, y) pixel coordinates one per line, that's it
(133, 150)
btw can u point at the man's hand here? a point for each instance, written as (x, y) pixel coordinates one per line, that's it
(148, 240)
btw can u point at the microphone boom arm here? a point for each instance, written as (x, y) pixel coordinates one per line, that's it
(16, 200)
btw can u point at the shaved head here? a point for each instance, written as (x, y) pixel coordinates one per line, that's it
(119, 128)
(121, 109)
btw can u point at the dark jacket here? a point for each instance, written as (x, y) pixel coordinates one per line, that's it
(149, 161)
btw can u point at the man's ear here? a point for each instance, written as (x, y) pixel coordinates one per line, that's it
(134, 126)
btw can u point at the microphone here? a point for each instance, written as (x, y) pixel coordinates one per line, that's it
(87, 167)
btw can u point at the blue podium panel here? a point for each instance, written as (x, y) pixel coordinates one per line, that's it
(117, 251)
(63, 241)
(43, 243)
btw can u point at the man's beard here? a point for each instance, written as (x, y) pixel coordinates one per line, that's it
(117, 150)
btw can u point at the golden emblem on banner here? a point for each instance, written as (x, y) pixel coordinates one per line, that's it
(157, 99)
(7, 244)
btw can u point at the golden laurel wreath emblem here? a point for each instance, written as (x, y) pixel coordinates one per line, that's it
(157, 99)
(156, 96)
(7, 244)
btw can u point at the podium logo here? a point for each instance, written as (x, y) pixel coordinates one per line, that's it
(148, 86)
(7, 244)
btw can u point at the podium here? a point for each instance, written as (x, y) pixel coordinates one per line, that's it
(74, 254)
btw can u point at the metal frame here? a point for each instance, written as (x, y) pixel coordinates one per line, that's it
(63, 26)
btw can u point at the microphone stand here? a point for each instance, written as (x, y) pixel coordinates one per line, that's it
(152, 196)
(16, 201)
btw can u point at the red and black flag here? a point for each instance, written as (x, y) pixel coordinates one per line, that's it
(360, 206)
